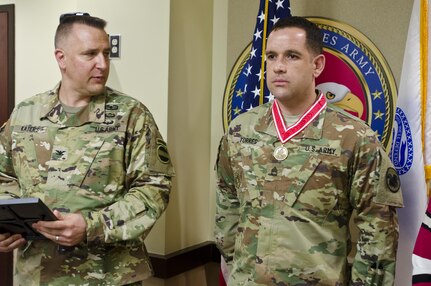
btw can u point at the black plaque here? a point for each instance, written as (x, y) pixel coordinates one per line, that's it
(17, 216)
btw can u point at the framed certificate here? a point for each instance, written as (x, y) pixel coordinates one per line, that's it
(17, 216)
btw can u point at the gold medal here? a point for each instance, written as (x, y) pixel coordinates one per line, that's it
(280, 153)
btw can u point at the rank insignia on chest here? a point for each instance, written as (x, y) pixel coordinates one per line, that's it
(59, 154)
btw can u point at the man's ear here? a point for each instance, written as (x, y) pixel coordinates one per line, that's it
(60, 57)
(319, 65)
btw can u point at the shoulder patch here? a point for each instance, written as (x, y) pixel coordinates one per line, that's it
(162, 152)
(388, 187)
(392, 180)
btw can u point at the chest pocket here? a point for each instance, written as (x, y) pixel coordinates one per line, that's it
(31, 149)
(86, 170)
(301, 185)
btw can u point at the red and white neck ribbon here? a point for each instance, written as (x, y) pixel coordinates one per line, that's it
(285, 133)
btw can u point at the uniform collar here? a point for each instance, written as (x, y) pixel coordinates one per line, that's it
(266, 125)
(93, 112)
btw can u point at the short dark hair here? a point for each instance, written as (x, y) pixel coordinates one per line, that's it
(67, 21)
(314, 37)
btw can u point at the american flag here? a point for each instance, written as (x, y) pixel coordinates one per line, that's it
(250, 88)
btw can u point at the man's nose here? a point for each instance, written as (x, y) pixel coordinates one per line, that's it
(279, 67)
(102, 61)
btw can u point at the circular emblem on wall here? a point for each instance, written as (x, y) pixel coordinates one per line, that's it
(356, 78)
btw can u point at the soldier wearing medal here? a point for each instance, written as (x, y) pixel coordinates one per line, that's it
(285, 199)
(96, 157)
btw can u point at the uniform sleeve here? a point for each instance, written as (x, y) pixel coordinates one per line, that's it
(148, 179)
(227, 204)
(422, 252)
(375, 194)
(9, 187)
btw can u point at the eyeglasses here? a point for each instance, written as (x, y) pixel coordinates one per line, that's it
(68, 15)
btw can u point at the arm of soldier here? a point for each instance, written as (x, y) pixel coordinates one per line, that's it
(148, 179)
(227, 204)
(375, 194)
(9, 187)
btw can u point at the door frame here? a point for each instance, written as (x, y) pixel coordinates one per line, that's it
(9, 76)
(6, 259)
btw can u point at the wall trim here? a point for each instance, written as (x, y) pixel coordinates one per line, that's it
(166, 266)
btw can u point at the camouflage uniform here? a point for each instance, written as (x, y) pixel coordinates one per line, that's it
(287, 222)
(108, 162)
